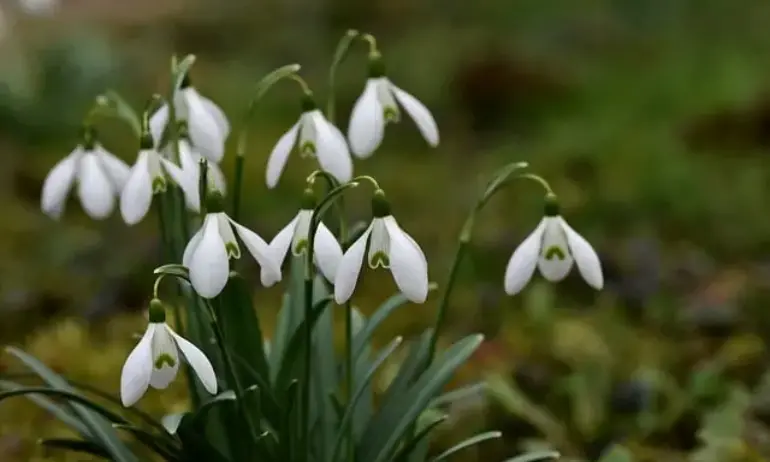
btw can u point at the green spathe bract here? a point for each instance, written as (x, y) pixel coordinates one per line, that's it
(290, 398)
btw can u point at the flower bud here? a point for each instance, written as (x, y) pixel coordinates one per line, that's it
(380, 205)
(157, 311)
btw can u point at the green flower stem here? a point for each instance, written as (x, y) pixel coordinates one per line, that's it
(339, 56)
(237, 186)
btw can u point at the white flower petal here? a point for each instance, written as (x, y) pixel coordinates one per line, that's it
(407, 263)
(331, 149)
(555, 258)
(164, 351)
(280, 155)
(523, 262)
(135, 377)
(209, 265)
(367, 122)
(327, 252)
(116, 169)
(279, 247)
(203, 128)
(158, 123)
(136, 197)
(260, 250)
(420, 114)
(58, 183)
(186, 181)
(349, 268)
(198, 361)
(226, 232)
(217, 114)
(95, 188)
(586, 259)
(189, 250)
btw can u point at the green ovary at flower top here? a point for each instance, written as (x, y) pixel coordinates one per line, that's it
(154, 362)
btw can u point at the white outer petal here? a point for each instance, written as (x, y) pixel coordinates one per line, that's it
(279, 247)
(209, 265)
(117, 170)
(331, 149)
(217, 113)
(554, 270)
(350, 267)
(204, 129)
(58, 183)
(585, 256)
(407, 263)
(136, 197)
(260, 250)
(198, 361)
(135, 377)
(280, 155)
(420, 114)
(367, 122)
(158, 123)
(327, 251)
(523, 262)
(95, 189)
(189, 249)
(186, 180)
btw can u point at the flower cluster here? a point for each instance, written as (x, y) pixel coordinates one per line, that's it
(182, 144)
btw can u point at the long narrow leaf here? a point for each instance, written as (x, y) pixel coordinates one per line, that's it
(289, 317)
(536, 457)
(472, 441)
(421, 437)
(85, 447)
(324, 377)
(154, 442)
(468, 391)
(66, 417)
(99, 427)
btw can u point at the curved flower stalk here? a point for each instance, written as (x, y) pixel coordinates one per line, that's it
(552, 247)
(313, 135)
(145, 180)
(98, 174)
(327, 252)
(209, 251)
(187, 174)
(389, 247)
(378, 105)
(154, 362)
(207, 124)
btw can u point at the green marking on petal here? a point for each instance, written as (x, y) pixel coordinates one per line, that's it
(392, 114)
(300, 247)
(164, 358)
(380, 259)
(158, 185)
(307, 149)
(554, 252)
(232, 250)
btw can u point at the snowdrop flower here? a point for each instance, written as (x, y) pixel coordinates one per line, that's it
(99, 176)
(389, 247)
(155, 360)
(145, 180)
(208, 253)
(327, 252)
(207, 124)
(187, 174)
(378, 106)
(552, 247)
(314, 136)
(39, 7)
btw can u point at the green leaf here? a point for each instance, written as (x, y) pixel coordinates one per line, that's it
(413, 445)
(536, 457)
(59, 412)
(85, 447)
(617, 453)
(362, 387)
(195, 445)
(77, 400)
(407, 373)
(158, 444)
(460, 393)
(99, 427)
(390, 424)
(290, 316)
(324, 375)
(362, 364)
(472, 441)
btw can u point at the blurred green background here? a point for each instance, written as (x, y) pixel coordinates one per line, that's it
(651, 119)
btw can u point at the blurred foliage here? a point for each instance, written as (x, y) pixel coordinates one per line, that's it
(651, 119)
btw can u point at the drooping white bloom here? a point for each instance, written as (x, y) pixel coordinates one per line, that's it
(206, 123)
(378, 106)
(208, 253)
(155, 361)
(389, 247)
(99, 176)
(314, 136)
(145, 180)
(552, 247)
(187, 174)
(327, 252)
(39, 7)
